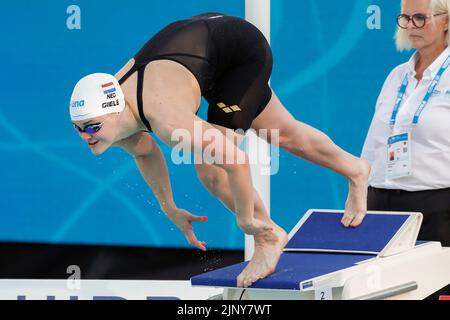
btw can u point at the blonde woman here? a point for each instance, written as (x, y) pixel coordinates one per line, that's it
(408, 143)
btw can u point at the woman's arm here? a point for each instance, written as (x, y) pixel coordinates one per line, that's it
(152, 166)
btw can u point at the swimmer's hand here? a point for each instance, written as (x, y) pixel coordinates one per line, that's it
(183, 220)
(253, 226)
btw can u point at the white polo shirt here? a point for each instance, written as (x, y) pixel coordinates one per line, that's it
(430, 138)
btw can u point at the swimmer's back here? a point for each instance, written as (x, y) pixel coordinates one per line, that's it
(208, 45)
(228, 56)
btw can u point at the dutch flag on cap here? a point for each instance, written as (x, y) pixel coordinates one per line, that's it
(108, 88)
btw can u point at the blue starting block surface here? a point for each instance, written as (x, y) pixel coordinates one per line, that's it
(293, 268)
(318, 245)
(323, 231)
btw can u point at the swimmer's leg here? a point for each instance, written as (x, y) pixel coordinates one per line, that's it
(267, 248)
(215, 180)
(312, 145)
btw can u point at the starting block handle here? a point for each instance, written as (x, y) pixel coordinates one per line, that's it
(389, 292)
(406, 237)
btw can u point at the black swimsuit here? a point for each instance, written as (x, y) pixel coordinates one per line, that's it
(229, 57)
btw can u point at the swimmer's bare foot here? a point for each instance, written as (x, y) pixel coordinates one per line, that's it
(356, 204)
(268, 248)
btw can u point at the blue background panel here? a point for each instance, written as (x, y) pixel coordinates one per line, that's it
(328, 70)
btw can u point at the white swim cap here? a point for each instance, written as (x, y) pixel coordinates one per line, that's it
(96, 95)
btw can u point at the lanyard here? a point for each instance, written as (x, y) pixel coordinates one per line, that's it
(423, 104)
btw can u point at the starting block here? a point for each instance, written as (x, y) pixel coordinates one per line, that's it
(323, 260)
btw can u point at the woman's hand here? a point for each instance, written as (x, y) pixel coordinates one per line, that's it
(183, 220)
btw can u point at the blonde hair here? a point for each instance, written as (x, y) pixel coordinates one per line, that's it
(401, 37)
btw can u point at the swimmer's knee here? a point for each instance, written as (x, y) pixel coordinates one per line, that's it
(210, 179)
(291, 139)
(285, 137)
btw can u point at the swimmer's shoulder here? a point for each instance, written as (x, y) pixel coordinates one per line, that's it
(123, 71)
(171, 80)
(138, 144)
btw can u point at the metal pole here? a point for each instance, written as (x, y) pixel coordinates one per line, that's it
(257, 12)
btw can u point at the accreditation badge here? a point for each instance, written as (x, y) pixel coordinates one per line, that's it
(399, 156)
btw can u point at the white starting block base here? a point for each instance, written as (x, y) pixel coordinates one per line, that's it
(412, 275)
(324, 260)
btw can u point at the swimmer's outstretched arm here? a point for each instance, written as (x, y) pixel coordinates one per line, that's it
(153, 167)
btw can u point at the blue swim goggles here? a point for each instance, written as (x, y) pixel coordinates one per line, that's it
(90, 128)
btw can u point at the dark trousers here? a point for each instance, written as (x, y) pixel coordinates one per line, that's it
(433, 204)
